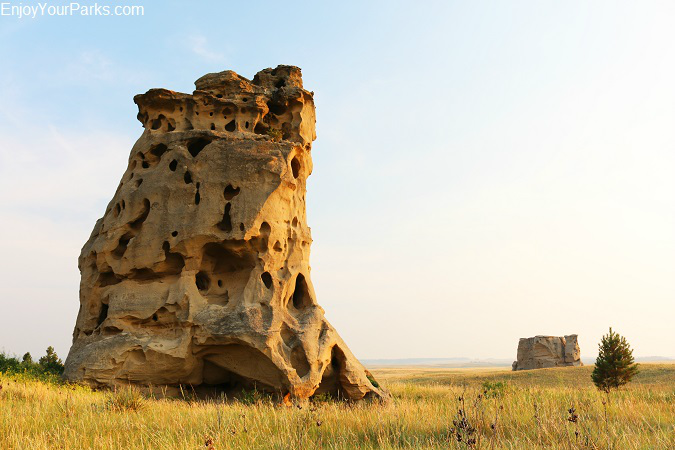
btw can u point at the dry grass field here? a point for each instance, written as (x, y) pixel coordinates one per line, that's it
(430, 408)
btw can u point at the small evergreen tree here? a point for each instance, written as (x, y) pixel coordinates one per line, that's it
(51, 362)
(615, 365)
(27, 358)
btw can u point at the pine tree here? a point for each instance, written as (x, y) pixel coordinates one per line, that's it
(51, 362)
(27, 358)
(615, 365)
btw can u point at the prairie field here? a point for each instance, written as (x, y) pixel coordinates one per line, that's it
(430, 408)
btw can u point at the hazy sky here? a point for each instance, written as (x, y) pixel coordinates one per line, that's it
(484, 171)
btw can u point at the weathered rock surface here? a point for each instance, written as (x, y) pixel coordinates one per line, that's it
(547, 351)
(198, 273)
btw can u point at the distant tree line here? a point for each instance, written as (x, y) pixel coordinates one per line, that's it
(48, 367)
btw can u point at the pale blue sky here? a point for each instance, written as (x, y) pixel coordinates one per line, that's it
(483, 171)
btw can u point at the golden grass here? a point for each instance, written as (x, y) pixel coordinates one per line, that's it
(531, 410)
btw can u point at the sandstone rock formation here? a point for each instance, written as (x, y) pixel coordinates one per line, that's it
(547, 351)
(198, 273)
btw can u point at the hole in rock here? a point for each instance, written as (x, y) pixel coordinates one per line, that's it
(227, 258)
(122, 245)
(213, 127)
(286, 130)
(158, 150)
(231, 126)
(139, 182)
(277, 246)
(202, 281)
(281, 83)
(135, 358)
(287, 335)
(170, 127)
(330, 380)
(265, 229)
(145, 274)
(242, 227)
(276, 108)
(244, 99)
(173, 262)
(117, 209)
(301, 297)
(267, 279)
(295, 166)
(172, 165)
(246, 125)
(260, 128)
(211, 114)
(235, 370)
(226, 223)
(230, 264)
(102, 315)
(230, 192)
(107, 279)
(187, 177)
(299, 361)
(136, 224)
(324, 330)
(295, 221)
(110, 331)
(197, 196)
(219, 95)
(174, 233)
(153, 156)
(157, 123)
(154, 317)
(197, 145)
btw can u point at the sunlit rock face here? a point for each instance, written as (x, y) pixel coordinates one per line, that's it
(198, 273)
(547, 351)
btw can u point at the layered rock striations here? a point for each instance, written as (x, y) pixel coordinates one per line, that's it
(547, 351)
(198, 273)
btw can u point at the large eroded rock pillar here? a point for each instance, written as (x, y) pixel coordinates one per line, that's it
(198, 273)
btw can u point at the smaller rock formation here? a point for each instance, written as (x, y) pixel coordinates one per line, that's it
(540, 352)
